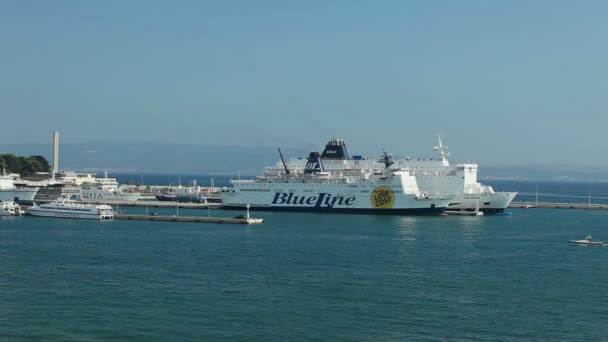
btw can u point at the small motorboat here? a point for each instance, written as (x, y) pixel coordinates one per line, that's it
(586, 242)
(10, 208)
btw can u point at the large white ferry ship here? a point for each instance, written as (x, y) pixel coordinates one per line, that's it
(434, 176)
(80, 186)
(105, 189)
(66, 208)
(10, 192)
(382, 190)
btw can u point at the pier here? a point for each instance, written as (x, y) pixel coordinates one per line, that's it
(156, 204)
(557, 205)
(184, 205)
(195, 219)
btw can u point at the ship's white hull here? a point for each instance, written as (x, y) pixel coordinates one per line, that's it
(59, 214)
(108, 196)
(331, 199)
(18, 194)
(488, 203)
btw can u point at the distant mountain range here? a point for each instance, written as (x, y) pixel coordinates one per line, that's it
(151, 157)
(556, 172)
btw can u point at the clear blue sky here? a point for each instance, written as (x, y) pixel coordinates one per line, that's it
(501, 80)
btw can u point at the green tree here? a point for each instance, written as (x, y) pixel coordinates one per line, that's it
(23, 165)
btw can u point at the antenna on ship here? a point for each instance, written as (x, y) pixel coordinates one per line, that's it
(387, 159)
(283, 160)
(441, 149)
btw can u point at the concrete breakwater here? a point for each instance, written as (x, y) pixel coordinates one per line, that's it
(195, 219)
(185, 205)
(558, 205)
(156, 204)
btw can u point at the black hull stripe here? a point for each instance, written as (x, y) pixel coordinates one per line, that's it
(368, 211)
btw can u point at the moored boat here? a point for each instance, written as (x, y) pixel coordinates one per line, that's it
(10, 208)
(106, 189)
(67, 208)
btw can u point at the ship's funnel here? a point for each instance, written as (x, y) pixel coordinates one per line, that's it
(314, 164)
(335, 149)
(55, 152)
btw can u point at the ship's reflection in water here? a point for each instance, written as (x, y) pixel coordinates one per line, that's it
(465, 229)
(408, 228)
(470, 226)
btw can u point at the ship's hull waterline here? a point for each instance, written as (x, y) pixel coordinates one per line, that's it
(366, 211)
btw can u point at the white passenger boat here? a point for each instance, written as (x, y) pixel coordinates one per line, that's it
(10, 208)
(588, 241)
(66, 208)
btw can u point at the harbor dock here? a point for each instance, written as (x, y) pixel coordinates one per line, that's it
(156, 204)
(196, 219)
(186, 205)
(557, 205)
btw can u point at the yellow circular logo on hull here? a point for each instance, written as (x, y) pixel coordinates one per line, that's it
(382, 197)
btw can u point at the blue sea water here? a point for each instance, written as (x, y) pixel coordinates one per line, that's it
(306, 277)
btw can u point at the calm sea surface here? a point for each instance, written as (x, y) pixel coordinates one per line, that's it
(306, 277)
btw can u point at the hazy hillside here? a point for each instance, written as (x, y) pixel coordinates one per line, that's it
(210, 159)
(157, 157)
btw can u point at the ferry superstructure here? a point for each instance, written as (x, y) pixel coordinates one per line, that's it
(437, 176)
(386, 190)
(66, 208)
(10, 192)
(105, 189)
(434, 176)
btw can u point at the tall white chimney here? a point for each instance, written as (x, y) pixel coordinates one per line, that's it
(55, 152)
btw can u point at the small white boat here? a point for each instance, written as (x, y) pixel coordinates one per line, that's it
(10, 208)
(464, 213)
(586, 242)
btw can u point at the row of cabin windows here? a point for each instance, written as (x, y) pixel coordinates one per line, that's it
(73, 209)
